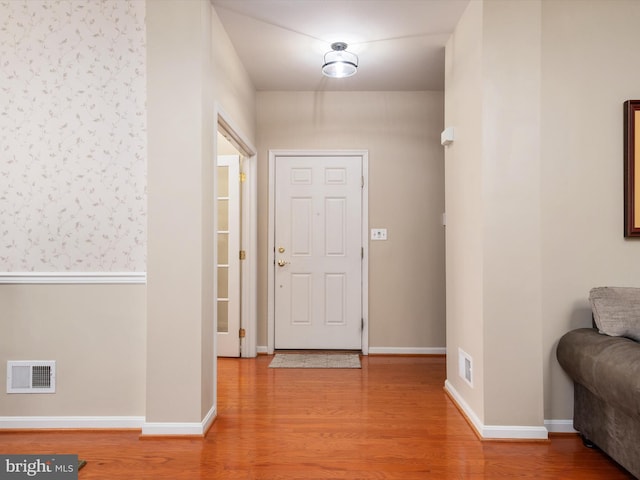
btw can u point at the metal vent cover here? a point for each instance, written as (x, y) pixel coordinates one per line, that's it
(29, 376)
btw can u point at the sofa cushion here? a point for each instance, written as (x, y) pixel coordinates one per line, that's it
(616, 311)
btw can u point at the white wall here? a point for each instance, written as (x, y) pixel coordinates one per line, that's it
(401, 131)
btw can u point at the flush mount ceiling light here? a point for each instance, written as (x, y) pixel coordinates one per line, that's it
(338, 63)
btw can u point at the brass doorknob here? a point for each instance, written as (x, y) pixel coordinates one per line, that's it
(282, 263)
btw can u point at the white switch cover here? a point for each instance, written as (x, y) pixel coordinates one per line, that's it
(378, 234)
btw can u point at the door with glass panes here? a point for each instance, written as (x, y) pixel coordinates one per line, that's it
(228, 268)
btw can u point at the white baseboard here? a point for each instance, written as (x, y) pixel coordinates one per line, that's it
(407, 351)
(494, 432)
(91, 423)
(560, 426)
(29, 423)
(388, 350)
(180, 428)
(209, 419)
(519, 432)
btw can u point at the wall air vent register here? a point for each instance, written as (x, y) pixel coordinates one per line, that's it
(31, 376)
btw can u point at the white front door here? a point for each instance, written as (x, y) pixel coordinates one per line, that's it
(228, 268)
(318, 252)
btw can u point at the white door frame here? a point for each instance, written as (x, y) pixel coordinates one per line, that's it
(271, 237)
(249, 219)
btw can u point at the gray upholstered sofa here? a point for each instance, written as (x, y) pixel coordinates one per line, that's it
(604, 364)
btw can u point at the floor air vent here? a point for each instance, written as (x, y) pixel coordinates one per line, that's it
(31, 376)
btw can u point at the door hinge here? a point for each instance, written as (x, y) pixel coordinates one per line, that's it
(243, 255)
(243, 333)
(361, 252)
(362, 185)
(362, 325)
(243, 177)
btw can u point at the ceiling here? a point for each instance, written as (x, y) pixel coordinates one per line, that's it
(400, 43)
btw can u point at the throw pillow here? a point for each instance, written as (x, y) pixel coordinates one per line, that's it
(616, 311)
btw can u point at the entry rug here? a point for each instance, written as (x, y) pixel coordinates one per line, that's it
(315, 360)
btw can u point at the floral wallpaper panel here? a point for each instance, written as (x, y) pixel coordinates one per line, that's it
(72, 136)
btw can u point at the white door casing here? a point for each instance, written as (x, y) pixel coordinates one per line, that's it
(318, 261)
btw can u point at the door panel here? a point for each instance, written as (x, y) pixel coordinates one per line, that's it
(335, 299)
(301, 299)
(335, 228)
(318, 268)
(302, 218)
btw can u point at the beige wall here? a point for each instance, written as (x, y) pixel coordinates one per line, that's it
(588, 71)
(160, 361)
(511, 221)
(87, 211)
(179, 117)
(544, 83)
(464, 203)
(497, 154)
(505, 162)
(401, 131)
(192, 70)
(96, 335)
(233, 91)
(514, 284)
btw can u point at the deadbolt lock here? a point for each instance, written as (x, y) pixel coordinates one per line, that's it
(281, 250)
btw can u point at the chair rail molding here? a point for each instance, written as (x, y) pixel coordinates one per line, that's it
(63, 278)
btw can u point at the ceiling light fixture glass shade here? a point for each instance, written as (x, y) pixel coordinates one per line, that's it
(338, 63)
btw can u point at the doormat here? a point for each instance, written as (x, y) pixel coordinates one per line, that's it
(315, 360)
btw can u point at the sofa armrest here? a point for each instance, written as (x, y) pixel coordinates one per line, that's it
(607, 366)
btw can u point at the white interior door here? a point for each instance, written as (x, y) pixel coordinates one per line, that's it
(228, 268)
(318, 256)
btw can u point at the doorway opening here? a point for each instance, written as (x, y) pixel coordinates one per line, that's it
(235, 251)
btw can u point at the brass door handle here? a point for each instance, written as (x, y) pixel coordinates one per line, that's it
(282, 263)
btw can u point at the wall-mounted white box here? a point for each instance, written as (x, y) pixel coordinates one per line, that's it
(447, 136)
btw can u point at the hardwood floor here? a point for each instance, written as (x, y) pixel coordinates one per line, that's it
(389, 420)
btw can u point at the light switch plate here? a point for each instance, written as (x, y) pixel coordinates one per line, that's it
(378, 234)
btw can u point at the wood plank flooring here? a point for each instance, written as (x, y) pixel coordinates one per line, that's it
(389, 420)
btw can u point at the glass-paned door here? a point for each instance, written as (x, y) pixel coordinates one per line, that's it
(228, 268)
